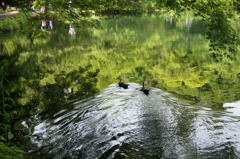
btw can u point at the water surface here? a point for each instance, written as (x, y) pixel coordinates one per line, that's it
(70, 73)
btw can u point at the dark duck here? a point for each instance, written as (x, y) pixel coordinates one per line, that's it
(144, 89)
(122, 84)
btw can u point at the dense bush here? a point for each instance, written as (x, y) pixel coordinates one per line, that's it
(10, 152)
(11, 24)
(127, 7)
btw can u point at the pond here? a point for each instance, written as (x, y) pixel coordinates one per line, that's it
(192, 109)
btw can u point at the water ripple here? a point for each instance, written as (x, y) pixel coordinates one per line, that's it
(119, 123)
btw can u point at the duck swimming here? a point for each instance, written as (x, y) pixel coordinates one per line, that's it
(144, 89)
(122, 84)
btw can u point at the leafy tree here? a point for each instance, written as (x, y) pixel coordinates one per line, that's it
(17, 3)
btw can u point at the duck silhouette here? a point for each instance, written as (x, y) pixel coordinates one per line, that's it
(144, 89)
(122, 84)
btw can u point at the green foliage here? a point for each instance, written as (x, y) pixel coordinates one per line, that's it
(8, 24)
(9, 111)
(222, 35)
(127, 7)
(12, 24)
(10, 152)
(2, 139)
(5, 11)
(7, 103)
(218, 16)
(22, 19)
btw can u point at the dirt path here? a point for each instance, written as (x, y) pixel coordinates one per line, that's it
(14, 13)
(9, 14)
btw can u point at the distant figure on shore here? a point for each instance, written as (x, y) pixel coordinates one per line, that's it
(72, 31)
(44, 9)
(188, 23)
(169, 20)
(47, 24)
(31, 5)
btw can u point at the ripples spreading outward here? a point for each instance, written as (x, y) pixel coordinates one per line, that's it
(125, 123)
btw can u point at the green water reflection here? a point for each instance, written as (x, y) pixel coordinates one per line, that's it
(55, 67)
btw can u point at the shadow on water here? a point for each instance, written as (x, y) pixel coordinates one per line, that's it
(125, 123)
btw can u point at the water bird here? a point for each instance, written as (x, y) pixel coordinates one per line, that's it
(122, 84)
(144, 89)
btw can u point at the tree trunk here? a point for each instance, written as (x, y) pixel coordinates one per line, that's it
(3, 5)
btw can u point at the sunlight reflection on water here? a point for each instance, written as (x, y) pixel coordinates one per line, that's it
(233, 108)
(119, 123)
